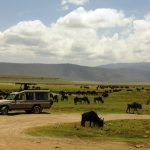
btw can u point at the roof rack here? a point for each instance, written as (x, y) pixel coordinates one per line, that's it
(26, 85)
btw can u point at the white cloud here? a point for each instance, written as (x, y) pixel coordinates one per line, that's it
(99, 18)
(65, 3)
(75, 2)
(82, 37)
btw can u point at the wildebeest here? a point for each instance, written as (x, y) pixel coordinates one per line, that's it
(99, 99)
(84, 86)
(4, 93)
(81, 99)
(54, 97)
(64, 97)
(77, 99)
(91, 117)
(105, 94)
(134, 106)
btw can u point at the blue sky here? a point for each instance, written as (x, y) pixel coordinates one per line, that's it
(55, 31)
(15, 11)
(48, 11)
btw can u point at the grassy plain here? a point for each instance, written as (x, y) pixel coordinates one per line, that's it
(120, 130)
(116, 102)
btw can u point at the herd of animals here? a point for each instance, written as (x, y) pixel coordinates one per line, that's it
(81, 96)
(99, 99)
(77, 96)
(92, 116)
(94, 119)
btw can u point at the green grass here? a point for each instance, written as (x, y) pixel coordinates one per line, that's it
(115, 103)
(31, 79)
(126, 130)
(121, 130)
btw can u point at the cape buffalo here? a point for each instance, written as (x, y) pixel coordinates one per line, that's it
(91, 117)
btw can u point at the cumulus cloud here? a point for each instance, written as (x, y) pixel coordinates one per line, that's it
(83, 37)
(75, 2)
(99, 18)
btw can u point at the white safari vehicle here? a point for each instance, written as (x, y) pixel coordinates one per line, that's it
(32, 101)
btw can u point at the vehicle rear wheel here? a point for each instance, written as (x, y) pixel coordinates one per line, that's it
(36, 109)
(4, 110)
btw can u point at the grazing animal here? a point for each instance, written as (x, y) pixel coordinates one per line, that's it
(91, 117)
(105, 94)
(64, 97)
(99, 99)
(4, 93)
(77, 99)
(85, 100)
(86, 87)
(134, 106)
(81, 99)
(55, 98)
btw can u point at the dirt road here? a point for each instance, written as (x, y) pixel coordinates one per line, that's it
(13, 138)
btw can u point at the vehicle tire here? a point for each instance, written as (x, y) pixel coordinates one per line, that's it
(4, 110)
(36, 109)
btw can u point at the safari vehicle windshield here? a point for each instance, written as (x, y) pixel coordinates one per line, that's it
(11, 96)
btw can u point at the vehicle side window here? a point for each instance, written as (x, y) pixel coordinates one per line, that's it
(41, 96)
(19, 97)
(29, 96)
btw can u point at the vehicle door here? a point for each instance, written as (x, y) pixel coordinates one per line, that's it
(42, 98)
(20, 101)
(29, 102)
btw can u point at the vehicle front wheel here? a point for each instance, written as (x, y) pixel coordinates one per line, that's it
(36, 109)
(4, 110)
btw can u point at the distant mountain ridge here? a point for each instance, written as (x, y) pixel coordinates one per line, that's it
(130, 72)
(137, 66)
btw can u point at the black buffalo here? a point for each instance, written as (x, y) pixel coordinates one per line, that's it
(91, 117)
(134, 106)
